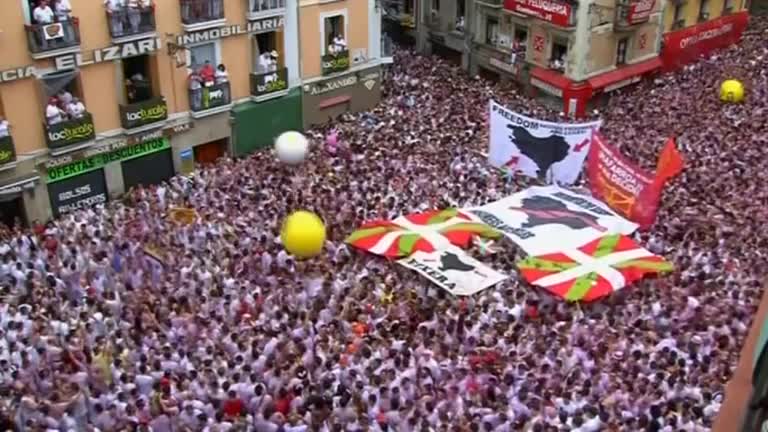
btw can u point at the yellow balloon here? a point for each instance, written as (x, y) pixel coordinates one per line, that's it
(732, 91)
(303, 234)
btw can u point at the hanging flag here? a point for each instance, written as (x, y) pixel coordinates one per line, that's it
(594, 270)
(670, 162)
(427, 232)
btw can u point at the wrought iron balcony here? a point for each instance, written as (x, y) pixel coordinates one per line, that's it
(7, 150)
(129, 24)
(264, 8)
(210, 98)
(49, 40)
(144, 113)
(202, 14)
(70, 132)
(332, 63)
(263, 84)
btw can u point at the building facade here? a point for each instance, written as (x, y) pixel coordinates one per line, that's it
(694, 28)
(342, 56)
(114, 94)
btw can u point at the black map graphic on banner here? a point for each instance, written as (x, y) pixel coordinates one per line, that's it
(450, 261)
(544, 152)
(543, 210)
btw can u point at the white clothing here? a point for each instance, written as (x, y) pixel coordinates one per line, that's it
(43, 15)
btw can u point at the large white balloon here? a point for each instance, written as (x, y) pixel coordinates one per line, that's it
(291, 147)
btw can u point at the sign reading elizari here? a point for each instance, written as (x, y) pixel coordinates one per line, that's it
(95, 162)
(110, 53)
(78, 192)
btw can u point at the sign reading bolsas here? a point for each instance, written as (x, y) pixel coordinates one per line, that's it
(554, 11)
(95, 162)
(256, 26)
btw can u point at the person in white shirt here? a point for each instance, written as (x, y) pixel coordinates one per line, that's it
(338, 45)
(134, 8)
(76, 109)
(53, 114)
(114, 9)
(4, 127)
(63, 9)
(43, 15)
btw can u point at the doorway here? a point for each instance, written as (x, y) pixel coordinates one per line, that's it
(210, 152)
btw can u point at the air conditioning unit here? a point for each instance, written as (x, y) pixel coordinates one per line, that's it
(359, 56)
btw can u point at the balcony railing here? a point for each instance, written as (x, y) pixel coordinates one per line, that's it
(194, 12)
(259, 8)
(7, 150)
(263, 84)
(210, 97)
(70, 132)
(143, 113)
(125, 23)
(47, 38)
(332, 63)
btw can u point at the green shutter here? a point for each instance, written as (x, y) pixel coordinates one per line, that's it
(258, 124)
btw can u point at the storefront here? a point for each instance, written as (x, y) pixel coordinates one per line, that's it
(256, 124)
(81, 180)
(326, 99)
(12, 206)
(210, 152)
(687, 45)
(576, 98)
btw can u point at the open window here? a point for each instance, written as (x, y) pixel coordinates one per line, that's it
(63, 98)
(460, 15)
(559, 54)
(138, 79)
(334, 34)
(491, 30)
(621, 51)
(266, 52)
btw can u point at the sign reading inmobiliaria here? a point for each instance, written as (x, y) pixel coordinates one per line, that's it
(687, 45)
(620, 183)
(554, 11)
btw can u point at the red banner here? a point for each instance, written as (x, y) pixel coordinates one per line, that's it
(687, 45)
(621, 184)
(554, 11)
(640, 11)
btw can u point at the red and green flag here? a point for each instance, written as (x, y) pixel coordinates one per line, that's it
(594, 270)
(426, 232)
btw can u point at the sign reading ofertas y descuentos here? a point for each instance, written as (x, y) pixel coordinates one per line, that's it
(85, 165)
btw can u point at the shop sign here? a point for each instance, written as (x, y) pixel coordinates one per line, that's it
(506, 67)
(554, 11)
(70, 132)
(82, 166)
(332, 85)
(548, 88)
(77, 193)
(18, 187)
(640, 11)
(258, 26)
(110, 53)
(143, 113)
(689, 44)
(17, 73)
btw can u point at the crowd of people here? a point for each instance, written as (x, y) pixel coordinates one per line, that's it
(118, 318)
(63, 107)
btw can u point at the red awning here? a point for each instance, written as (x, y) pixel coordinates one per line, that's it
(551, 76)
(624, 73)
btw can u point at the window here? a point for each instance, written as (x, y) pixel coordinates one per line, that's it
(491, 30)
(334, 33)
(409, 7)
(138, 82)
(559, 54)
(704, 10)
(460, 12)
(678, 12)
(266, 54)
(520, 42)
(63, 97)
(621, 51)
(435, 5)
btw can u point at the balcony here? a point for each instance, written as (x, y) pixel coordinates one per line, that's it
(128, 25)
(210, 100)
(631, 14)
(270, 84)
(265, 8)
(333, 63)
(144, 115)
(202, 14)
(70, 132)
(50, 40)
(7, 150)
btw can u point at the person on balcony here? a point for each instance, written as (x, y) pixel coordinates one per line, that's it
(267, 62)
(208, 74)
(53, 114)
(43, 15)
(460, 24)
(75, 109)
(134, 9)
(63, 10)
(195, 90)
(4, 127)
(114, 10)
(338, 45)
(222, 77)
